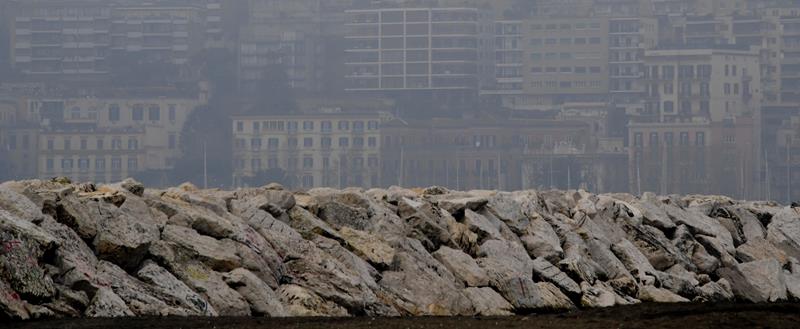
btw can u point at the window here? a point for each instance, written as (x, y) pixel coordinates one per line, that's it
(358, 126)
(700, 139)
(255, 164)
(133, 144)
(256, 126)
(727, 88)
(325, 142)
(668, 72)
(344, 125)
(358, 142)
(50, 165)
(736, 89)
(272, 143)
(171, 112)
(116, 143)
(154, 113)
(637, 139)
(239, 126)
(240, 143)
(308, 142)
(326, 126)
(669, 107)
(100, 164)
(113, 112)
(668, 138)
(308, 181)
(66, 164)
(255, 144)
(133, 164)
(308, 162)
(372, 125)
(308, 125)
(344, 142)
(138, 113)
(684, 138)
(291, 126)
(116, 164)
(372, 142)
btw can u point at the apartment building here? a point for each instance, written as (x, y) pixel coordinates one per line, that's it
(333, 149)
(442, 49)
(543, 62)
(629, 38)
(695, 157)
(157, 33)
(18, 140)
(715, 83)
(131, 135)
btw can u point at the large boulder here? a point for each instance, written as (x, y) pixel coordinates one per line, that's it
(784, 231)
(367, 246)
(262, 299)
(462, 266)
(220, 255)
(527, 296)
(106, 304)
(122, 238)
(167, 284)
(544, 270)
(488, 302)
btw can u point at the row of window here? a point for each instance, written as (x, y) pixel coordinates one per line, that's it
(566, 26)
(594, 84)
(257, 164)
(684, 71)
(325, 126)
(84, 164)
(567, 69)
(116, 144)
(565, 41)
(308, 142)
(138, 113)
(669, 139)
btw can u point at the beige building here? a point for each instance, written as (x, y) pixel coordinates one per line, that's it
(131, 135)
(326, 149)
(715, 83)
(543, 62)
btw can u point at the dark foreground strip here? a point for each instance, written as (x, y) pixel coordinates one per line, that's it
(649, 316)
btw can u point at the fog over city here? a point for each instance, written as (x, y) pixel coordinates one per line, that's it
(634, 96)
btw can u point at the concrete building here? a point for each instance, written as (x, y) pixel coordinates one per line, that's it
(498, 154)
(332, 149)
(629, 38)
(446, 50)
(157, 33)
(18, 141)
(715, 83)
(695, 157)
(543, 62)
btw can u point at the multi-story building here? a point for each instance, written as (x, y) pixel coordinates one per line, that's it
(509, 154)
(331, 149)
(157, 33)
(18, 139)
(695, 157)
(543, 62)
(446, 50)
(715, 83)
(629, 38)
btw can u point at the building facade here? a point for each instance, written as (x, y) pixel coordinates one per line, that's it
(314, 150)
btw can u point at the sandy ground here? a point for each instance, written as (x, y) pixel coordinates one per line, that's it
(640, 316)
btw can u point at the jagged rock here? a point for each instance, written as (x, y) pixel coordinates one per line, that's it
(211, 285)
(340, 215)
(368, 247)
(169, 285)
(304, 222)
(784, 231)
(767, 278)
(12, 305)
(636, 262)
(488, 302)
(658, 295)
(263, 301)
(220, 255)
(18, 205)
(503, 260)
(715, 292)
(419, 285)
(20, 268)
(544, 270)
(541, 241)
(527, 296)
(106, 304)
(457, 206)
(130, 185)
(428, 224)
(463, 267)
(140, 298)
(598, 295)
(123, 239)
(757, 249)
(481, 226)
(792, 285)
(299, 301)
(715, 247)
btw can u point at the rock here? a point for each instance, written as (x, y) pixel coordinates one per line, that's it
(543, 270)
(457, 206)
(301, 302)
(462, 266)
(784, 231)
(597, 295)
(527, 296)
(481, 226)
(305, 223)
(659, 295)
(767, 278)
(130, 185)
(20, 268)
(488, 302)
(141, 298)
(123, 239)
(80, 216)
(20, 227)
(368, 247)
(757, 249)
(106, 304)
(715, 247)
(340, 215)
(792, 285)
(541, 241)
(715, 292)
(636, 262)
(74, 259)
(503, 260)
(12, 305)
(169, 285)
(19, 206)
(262, 300)
(212, 287)
(219, 255)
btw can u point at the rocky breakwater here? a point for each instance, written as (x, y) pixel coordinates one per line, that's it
(79, 250)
